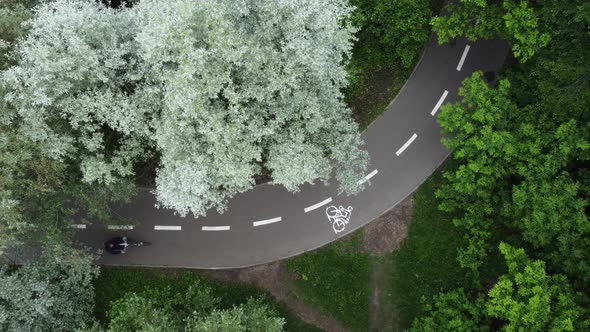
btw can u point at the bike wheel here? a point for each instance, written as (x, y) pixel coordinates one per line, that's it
(339, 225)
(332, 211)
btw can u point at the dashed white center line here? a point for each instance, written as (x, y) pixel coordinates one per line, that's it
(266, 222)
(368, 177)
(120, 227)
(167, 228)
(215, 228)
(439, 103)
(79, 226)
(465, 51)
(405, 146)
(317, 205)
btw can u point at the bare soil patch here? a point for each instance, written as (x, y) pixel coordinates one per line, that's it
(386, 233)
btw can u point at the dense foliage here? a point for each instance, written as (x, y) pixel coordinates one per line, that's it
(390, 32)
(181, 300)
(524, 299)
(52, 293)
(116, 283)
(513, 20)
(509, 175)
(193, 310)
(38, 192)
(522, 152)
(218, 91)
(390, 35)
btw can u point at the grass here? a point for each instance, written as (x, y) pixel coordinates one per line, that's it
(114, 282)
(377, 92)
(426, 262)
(336, 279)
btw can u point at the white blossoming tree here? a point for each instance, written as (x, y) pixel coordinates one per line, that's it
(218, 90)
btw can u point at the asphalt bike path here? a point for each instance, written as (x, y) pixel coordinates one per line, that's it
(268, 223)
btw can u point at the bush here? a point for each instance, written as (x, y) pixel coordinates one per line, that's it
(391, 34)
(117, 284)
(391, 31)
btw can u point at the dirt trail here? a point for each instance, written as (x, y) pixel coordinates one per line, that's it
(382, 237)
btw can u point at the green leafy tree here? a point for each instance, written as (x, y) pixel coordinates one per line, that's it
(12, 15)
(513, 171)
(137, 313)
(512, 20)
(540, 190)
(476, 131)
(528, 299)
(53, 293)
(524, 299)
(217, 91)
(390, 32)
(160, 309)
(250, 316)
(452, 311)
(194, 310)
(29, 191)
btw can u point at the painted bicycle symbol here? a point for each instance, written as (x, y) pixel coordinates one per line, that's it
(339, 217)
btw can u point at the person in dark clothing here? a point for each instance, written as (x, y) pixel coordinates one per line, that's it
(116, 245)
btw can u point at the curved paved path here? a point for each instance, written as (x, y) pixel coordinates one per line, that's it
(268, 223)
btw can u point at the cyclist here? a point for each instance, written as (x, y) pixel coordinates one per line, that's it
(116, 245)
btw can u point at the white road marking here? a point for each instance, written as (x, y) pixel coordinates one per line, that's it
(317, 205)
(439, 103)
(267, 221)
(167, 228)
(405, 146)
(339, 217)
(120, 227)
(368, 177)
(465, 51)
(215, 228)
(79, 226)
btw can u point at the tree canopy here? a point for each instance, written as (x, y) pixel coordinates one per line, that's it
(520, 174)
(163, 309)
(527, 298)
(390, 32)
(512, 20)
(513, 173)
(53, 293)
(218, 92)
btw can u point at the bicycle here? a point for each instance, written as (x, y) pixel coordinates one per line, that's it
(118, 245)
(137, 243)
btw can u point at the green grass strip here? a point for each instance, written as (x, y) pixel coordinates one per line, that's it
(336, 279)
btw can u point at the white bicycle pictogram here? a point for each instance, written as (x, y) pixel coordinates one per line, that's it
(339, 217)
